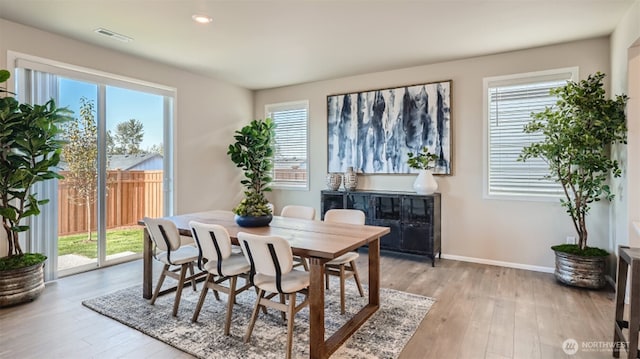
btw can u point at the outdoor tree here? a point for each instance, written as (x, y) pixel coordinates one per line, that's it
(80, 153)
(110, 143)
(128, 137)
(156, 148)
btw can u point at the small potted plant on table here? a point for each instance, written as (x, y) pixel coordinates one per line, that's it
(423, 162)
(253, 152)
(577, 135)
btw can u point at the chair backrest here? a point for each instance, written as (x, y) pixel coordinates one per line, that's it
(212, 240)
(295, 211)
(269, 255)
(349, 216)
(163, 233)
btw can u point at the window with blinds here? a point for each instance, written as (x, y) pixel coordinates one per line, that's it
(510, 102)
(290, 164)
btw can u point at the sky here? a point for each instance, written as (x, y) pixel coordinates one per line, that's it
(122, 105)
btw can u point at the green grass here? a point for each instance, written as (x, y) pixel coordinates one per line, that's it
(118, 240)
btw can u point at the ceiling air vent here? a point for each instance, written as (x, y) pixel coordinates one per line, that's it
(113, 35)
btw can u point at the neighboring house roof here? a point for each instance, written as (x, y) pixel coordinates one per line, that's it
(128, 162)
(147, 161)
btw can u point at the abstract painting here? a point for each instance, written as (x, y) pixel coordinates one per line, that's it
(373, 131)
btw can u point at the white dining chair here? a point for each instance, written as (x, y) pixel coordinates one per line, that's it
(175, 256)
(221, 265)
(345, 265)
(302, 212)
(272, 272)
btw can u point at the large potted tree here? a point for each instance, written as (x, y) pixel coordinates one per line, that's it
(253, 153)
(577, 136)
(29, 152)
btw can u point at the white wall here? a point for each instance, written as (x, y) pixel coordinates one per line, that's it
(625, 70)
(208, 111)
(497, 230)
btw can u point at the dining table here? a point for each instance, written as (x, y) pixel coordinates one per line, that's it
(318, 242)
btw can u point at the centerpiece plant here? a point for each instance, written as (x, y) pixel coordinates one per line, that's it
(253, 152)
(29, 152)
(578, 133)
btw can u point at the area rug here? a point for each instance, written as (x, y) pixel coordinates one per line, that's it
(384, 335)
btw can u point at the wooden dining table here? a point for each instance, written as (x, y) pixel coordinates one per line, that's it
(317, 241)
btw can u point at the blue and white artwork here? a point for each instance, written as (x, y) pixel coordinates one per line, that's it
(373, 131)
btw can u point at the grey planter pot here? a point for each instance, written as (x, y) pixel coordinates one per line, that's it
(22, 285)
(580, 271)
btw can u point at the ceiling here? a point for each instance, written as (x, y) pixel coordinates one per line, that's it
(263, 44)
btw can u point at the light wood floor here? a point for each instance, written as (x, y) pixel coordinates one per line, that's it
(481, 312)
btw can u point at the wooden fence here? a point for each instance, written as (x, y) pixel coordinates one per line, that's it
(131, 195)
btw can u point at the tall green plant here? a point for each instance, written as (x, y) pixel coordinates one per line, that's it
(578, 132)
(253, 152)
(29, 150)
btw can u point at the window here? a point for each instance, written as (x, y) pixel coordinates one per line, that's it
(510, 101)
(291, 161)
(106, 187)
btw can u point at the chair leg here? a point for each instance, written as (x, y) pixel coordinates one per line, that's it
(326, 280)
(215, 292)
(163, 275)
(264, 308)
(290, 315)
(193, 278)
(304, 263)
(342, 280)
(356, 277)
(254, 316)
(183, 274)
(230, 301)
(283, 301)
(203, 294)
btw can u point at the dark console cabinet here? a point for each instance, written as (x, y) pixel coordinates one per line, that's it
(414, 219)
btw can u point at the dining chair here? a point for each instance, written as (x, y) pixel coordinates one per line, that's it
(303, 212)
(344, 266)
(221, 264)
(176, 256)
(272, 272)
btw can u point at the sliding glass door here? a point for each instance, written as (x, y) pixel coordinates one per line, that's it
(115, 167)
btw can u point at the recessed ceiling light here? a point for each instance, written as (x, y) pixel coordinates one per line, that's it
(202, 19)
(113, 35)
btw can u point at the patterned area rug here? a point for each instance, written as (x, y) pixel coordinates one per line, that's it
(384, 335)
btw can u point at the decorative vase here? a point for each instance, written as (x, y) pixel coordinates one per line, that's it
(580, 271)
(253, 221)
(333, 181)
(350, 179)
(21, 285)
(425, 183)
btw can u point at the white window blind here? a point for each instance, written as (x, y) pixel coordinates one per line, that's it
(511, 100)
(290, 165)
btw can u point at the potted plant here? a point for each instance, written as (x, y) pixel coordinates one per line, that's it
(29, 150)
(423, 162)
(253, 152)
(577, 135)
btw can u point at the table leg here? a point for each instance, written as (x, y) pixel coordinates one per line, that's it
(341, 335)
(317, 348)
(620, 296)
(634, 315)
(374, 272)
(147, 267)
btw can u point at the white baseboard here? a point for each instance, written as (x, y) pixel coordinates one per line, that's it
(499, 263)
